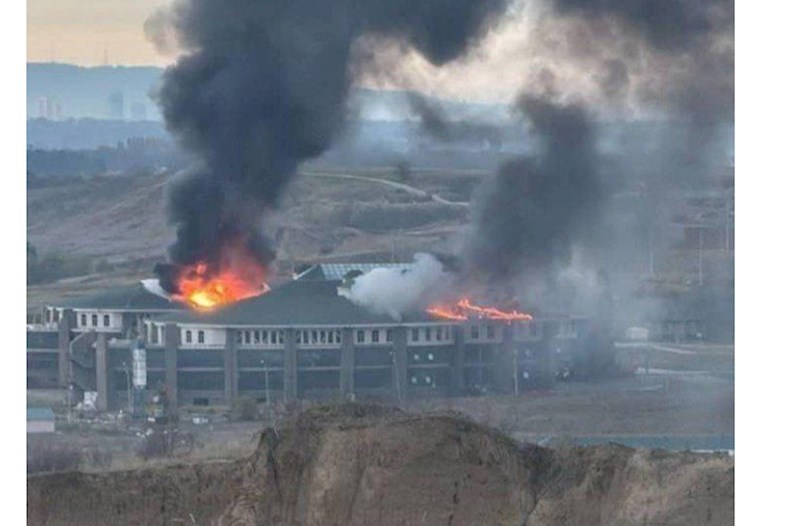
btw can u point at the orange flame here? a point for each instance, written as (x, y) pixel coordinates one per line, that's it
(464, 309)
(241, 276)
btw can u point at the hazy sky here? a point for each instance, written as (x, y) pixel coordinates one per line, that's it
(79, 31)
(532, 49)
(93, 32)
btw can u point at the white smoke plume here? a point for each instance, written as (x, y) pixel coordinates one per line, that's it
(396, 291)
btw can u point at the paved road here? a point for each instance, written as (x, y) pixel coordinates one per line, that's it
(401, 186)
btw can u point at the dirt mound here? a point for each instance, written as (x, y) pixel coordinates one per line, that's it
(366, 465)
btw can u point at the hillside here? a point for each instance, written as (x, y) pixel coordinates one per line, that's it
(364, 465)
(120, 222)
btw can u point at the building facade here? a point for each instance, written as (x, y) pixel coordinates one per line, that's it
(304, 340)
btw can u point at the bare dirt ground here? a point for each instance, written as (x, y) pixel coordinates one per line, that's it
(691, 398)
(366, 465)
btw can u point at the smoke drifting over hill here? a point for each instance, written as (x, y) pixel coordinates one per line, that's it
(263, 86)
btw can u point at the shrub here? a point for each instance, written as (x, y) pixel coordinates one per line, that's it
(245, 409)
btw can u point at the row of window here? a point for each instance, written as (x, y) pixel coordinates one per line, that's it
(489, 332)
(259, 337)
(188, 336)
(430, 334)
(362, 336)
(374, 336)
(83, 320)
(52, 315)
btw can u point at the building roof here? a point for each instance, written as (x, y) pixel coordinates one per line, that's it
(299, 302)
(40, 414)
(338, 271)
(134, 297)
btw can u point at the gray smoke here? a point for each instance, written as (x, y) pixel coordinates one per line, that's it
(394, 291)
(673, 54)
(262, 87)
(674, 57)
(527, 218)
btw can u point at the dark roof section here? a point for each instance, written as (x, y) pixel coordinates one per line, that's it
(299, 302)
(134, 297)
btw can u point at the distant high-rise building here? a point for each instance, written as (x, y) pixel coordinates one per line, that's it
(48, 108)
(138, 111)
(53, 109)
(116, 106)
(41, 107)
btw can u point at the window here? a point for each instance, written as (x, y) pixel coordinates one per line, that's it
(280, 337)
(94, 320)
(106, 320)
(427, 334)
(305, 336)
(48, 315)
(314, 337)
(474, 332)
(247, 337)
(490, 332)
(201, 336)
(439, 334)
(389, 335)
(376, 336)
(273, 337)
(415, 334)
(338, 336)
(360, 336)
(188, 337)
(257, 337)
(239, 337)
(83, 320)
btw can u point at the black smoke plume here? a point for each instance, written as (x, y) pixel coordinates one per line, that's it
(262, 87)
(527, 218)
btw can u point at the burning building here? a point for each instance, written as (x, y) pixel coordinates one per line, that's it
(303, 340)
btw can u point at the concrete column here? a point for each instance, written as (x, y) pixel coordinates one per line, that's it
(172, 338)
(65, 325)
(102, 372)
(289, 366)
(503, 377)
(231, 367)
(459, 357)
(400, 369)
(549, 332)
(347, 365)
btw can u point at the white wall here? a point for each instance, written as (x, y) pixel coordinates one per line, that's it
(431, 335)
(212, 337)
(83, 320)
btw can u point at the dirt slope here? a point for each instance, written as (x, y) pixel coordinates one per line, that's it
(365, 465)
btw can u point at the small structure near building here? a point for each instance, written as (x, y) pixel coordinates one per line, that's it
(41, 420)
